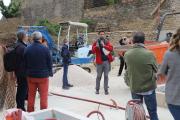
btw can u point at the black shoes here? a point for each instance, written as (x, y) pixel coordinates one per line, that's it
(67, 87)
(97, 92)
(106, 92)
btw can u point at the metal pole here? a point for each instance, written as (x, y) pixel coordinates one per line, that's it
(68, 34)
(86, 36)
(59, 34)
(162, 19)
(91, 101)
(77, 32)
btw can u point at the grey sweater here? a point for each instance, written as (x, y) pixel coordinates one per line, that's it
(171, 68)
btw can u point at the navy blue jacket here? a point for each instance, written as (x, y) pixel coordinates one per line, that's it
(65, 54)
(38, 61)
(20, 65)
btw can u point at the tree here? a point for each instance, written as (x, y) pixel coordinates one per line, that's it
(13, 10)
(52, 27)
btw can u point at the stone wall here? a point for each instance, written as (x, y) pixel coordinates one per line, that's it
(115, 36)
(124, 16)
(61, 9)
(172, 22)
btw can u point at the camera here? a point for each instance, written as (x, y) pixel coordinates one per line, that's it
(100, 40)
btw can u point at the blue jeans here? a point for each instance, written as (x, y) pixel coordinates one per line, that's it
(151, 104)
(65, 73)
(175, 111)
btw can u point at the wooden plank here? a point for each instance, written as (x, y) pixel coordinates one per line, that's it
(157, 7)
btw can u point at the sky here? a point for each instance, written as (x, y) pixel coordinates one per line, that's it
(6, 2)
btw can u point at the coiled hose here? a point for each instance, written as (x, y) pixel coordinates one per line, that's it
(135, 111)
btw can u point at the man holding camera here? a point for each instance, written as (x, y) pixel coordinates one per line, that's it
(102, 49)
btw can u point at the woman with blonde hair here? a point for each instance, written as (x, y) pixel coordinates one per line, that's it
(171, 68)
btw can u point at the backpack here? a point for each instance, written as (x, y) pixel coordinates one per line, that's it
(9, 59)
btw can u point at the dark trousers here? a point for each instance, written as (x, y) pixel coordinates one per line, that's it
(22, 89)
(65, 74)
(175, 111)
(151, 104)
(122, 63)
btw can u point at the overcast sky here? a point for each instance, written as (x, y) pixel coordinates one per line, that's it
(6, 2)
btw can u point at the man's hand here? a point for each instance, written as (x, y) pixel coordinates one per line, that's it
(102, 43)
(97, 45)
(161, 78)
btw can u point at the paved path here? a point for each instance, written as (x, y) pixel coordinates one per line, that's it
(118, 91)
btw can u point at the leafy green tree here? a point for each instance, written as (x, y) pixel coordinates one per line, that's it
(13, 10)
(52, 28)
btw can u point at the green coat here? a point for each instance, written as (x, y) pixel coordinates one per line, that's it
(142, 68)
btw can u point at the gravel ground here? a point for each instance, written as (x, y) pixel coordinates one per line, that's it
(84, 87)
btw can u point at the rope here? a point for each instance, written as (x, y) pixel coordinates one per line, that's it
(98, 112)
(135, 111)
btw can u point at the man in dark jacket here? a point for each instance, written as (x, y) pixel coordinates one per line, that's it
(38, 67)
(22, 86)
(66, 61)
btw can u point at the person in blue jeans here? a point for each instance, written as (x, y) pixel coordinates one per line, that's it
(66, 59)
(150, 101)
(142, 68)
(170, 68)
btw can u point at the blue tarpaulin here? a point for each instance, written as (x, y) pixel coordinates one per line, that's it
(51, 45)
(79, 61)
(55, 53)
(42, 29)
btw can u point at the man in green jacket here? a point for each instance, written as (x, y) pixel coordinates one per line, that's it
(142, 68)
